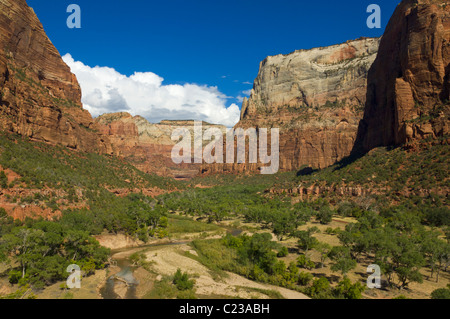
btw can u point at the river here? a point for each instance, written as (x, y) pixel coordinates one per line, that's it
(126, 274)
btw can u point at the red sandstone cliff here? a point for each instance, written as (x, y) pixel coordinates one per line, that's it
(408, 84)
(146, 145)
(39, 97)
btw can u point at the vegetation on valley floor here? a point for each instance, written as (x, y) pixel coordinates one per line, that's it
(399, 226)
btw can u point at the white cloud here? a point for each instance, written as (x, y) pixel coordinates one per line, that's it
(245, 93)
(105, 90)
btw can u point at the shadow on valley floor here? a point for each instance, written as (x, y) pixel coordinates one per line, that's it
(343, 163)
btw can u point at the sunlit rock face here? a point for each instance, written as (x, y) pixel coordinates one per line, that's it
(315, 97)
(39, 97)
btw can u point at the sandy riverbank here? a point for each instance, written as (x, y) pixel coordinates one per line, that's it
(166, 260)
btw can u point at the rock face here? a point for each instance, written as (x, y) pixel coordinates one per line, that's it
(148, 146)
(315, 97)
(408, 84)
(39, 97)
(136, 140)
(311, 78)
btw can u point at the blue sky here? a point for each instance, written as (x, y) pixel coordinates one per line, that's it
(205, 43)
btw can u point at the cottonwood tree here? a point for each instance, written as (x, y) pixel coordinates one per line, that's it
(435, 250)
(23, 243)
(405, 260)
(324, 250)
(306, 241)
(283, 226)
(325, 215)
(342, 259)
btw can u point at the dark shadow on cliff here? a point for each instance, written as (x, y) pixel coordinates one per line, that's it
(308, 171)
(348, 160)
(358, 150)
(356, 155)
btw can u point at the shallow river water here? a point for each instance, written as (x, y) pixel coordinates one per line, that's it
(126, 273)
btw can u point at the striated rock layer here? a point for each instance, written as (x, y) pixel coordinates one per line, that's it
(315, 97)
(408, 84)
(311, 78)
(148, 146)
(39, 97)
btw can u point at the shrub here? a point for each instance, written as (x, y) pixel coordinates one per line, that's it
(304, 278)
(320, 289)
(14, 276)
(258, 274)
(401, 297)
(182, 282)
(347, 290)
(438, 216)
(331, 231)
(442, 293)
(3, 180)
(283, 252)
(305, 262)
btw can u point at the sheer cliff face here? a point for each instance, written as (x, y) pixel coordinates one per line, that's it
(408, 84)
(310, 78)
(40, 98)
(316, 98)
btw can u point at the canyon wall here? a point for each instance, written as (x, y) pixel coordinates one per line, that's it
(149, 146)
(39, 97)
(326, 101)
(315, 97)
(408, 84)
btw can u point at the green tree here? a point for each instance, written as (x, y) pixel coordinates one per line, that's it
(324, 250)
(24, 243)
(347, 290)
(302, 214)
(283, 226)
(435, 250)
(407, 260)
(306, 241)
(283, 252)
(342, 259)
(325, 215)
(438, 216)
(292, 273)
(258, 250)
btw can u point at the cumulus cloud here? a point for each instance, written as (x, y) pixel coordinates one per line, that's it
(105, 90)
